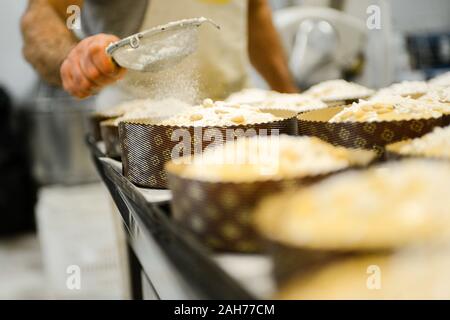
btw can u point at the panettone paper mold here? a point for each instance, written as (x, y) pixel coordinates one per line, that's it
(293, 262)
(109, 132)
(94, 123)
(147, 146)
(364, 135)
(220, 213)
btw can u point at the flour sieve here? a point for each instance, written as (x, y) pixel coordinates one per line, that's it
(158, 48)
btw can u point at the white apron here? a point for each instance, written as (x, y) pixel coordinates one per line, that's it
(222, 59)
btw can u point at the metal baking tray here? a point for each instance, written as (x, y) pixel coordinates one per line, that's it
(176, 264)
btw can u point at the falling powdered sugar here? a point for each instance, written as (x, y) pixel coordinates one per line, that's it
(178, 81)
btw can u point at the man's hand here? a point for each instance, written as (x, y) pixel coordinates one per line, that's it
(87, 68)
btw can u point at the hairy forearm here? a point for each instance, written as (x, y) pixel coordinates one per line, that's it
(265, 50)
(47, 40)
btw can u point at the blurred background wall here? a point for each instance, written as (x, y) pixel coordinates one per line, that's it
(16, 75)
(408, 15)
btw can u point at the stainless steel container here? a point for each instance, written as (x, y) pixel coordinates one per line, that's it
(57, 133)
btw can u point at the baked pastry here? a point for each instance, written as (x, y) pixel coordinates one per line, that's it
(295, 102)
(384, 207)
(337, 90)
(154, 109)
(150, 143)
(249, 96)
(441, 80)
(390, 108)
(123, 108)
(105, 117)
(438, 95)
(435, 144)
(412, 89)
(214, 193)
(418, 273)
(265, 99)
(219, 113)
(272, 157)
(139, 113)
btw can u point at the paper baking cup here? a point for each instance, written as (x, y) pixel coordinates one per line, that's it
(147, 147)
(219, 213)
(109, 132)
(293, 262)
(94, 122)
(363, 135)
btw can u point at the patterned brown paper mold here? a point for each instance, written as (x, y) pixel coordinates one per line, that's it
(219, 213)
(147, 146)
(363, 135)
(96, 118)
(110, 135)
(293, 262)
